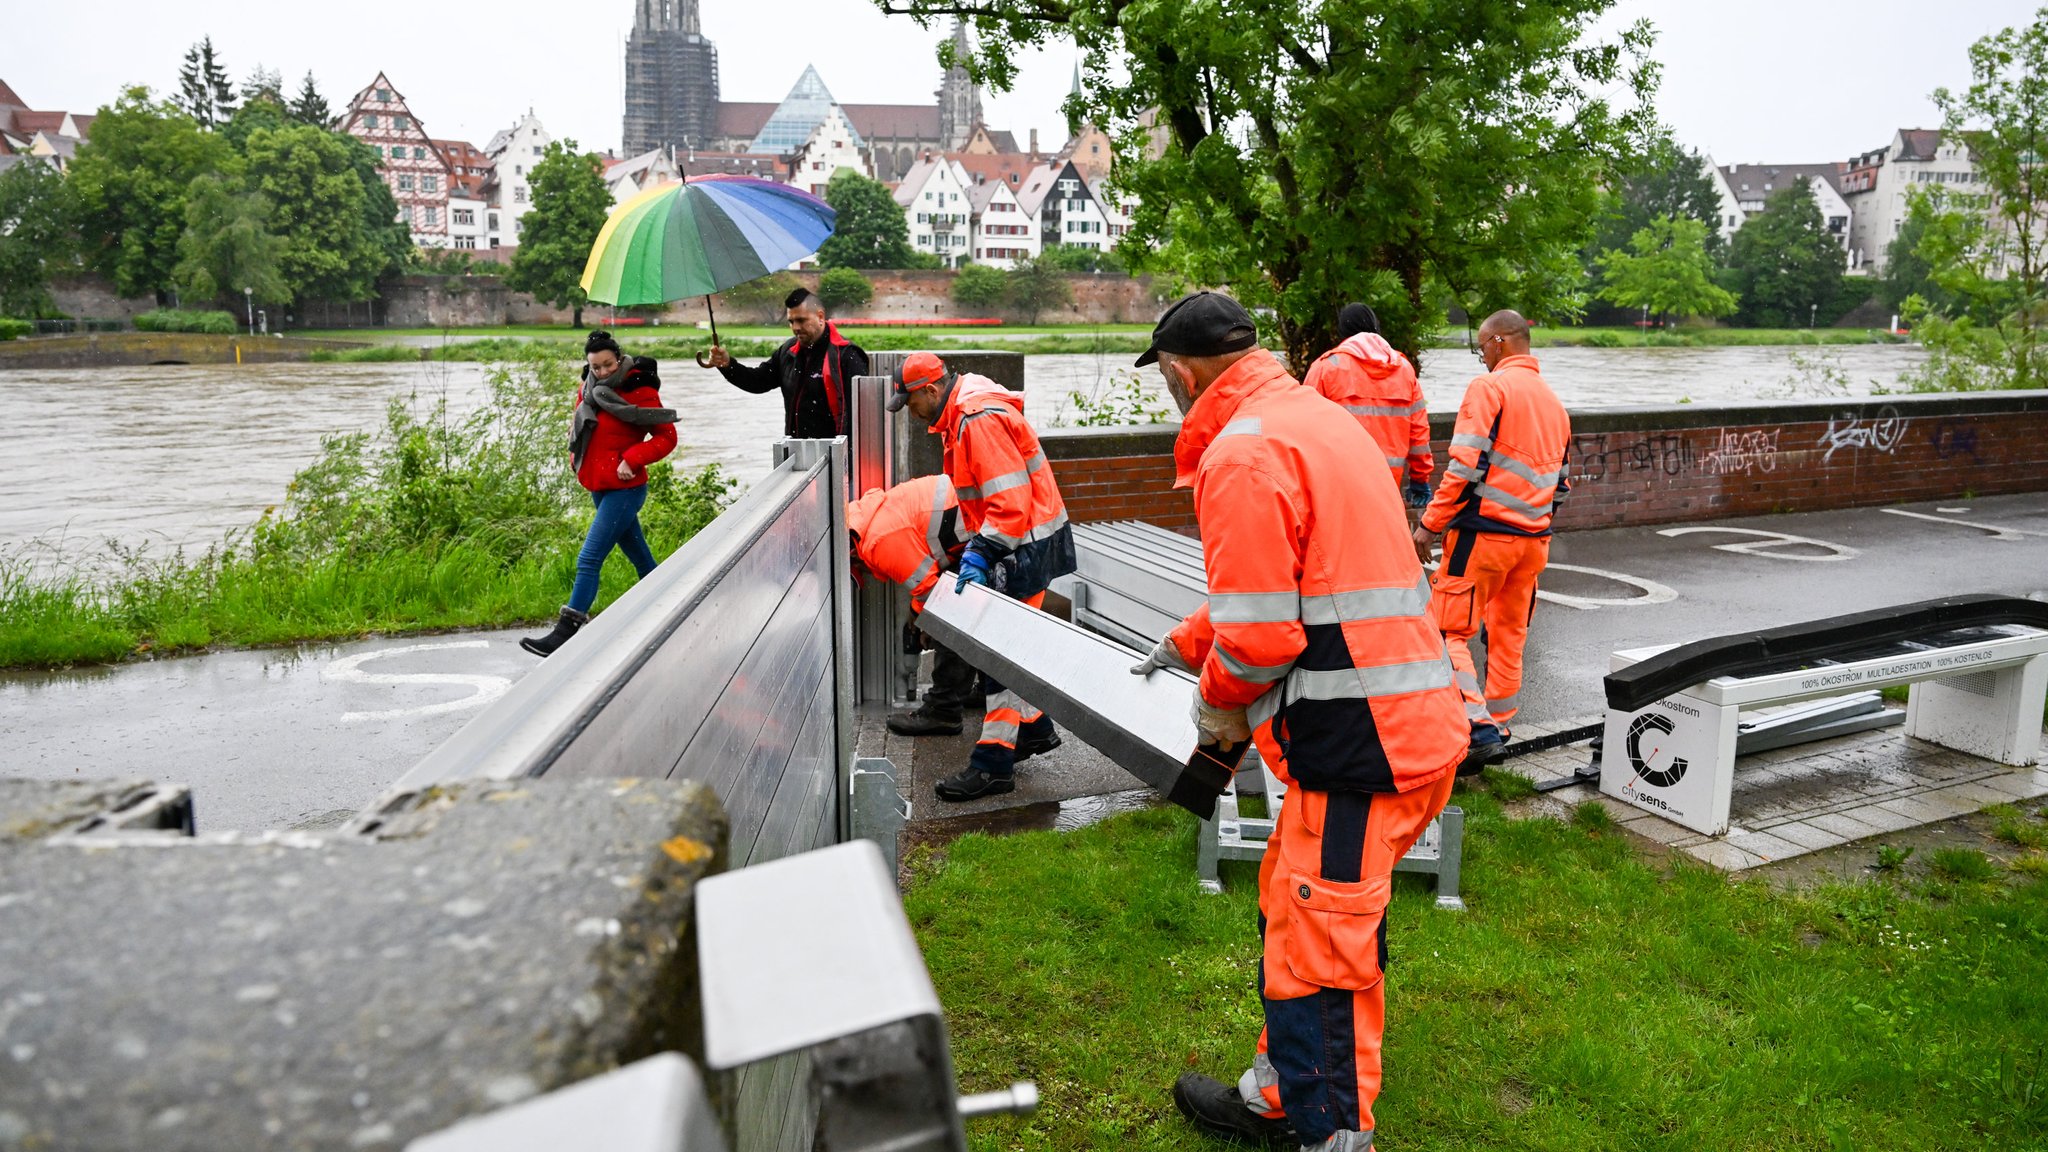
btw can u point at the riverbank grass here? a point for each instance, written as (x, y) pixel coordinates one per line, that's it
(431, 524)
(1591, 997)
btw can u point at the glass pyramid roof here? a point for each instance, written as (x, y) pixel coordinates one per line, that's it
(801, 111)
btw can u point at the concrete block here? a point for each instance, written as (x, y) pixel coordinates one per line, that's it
(1767, 846)
(1723, 855)
(344, 991)
(1843, 825)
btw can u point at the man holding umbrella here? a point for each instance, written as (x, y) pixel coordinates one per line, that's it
(814, 368)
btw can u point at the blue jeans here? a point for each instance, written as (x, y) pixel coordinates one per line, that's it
(616, 525)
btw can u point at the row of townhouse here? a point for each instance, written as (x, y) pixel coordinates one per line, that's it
(1000, 209)
(1864, 200)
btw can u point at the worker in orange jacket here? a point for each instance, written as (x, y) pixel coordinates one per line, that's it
(1316, 643)
(1018, 537)
(1508, 471)
(1367, 378)
(908, 535)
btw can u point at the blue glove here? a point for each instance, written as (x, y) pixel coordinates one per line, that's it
(974, 569)
(1418, 493)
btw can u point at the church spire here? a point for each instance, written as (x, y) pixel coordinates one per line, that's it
(959, 99)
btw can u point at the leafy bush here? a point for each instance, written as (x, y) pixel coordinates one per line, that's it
(1123, 402)
(184, 320)
(10, 328)
(980, 287)
(843, 288)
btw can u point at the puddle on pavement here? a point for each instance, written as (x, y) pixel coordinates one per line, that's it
(1060, 816)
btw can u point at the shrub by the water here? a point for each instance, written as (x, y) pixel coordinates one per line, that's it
(181, 320)
(11, 328)
(429, 523)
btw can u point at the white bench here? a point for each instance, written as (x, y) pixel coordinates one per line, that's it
(1976, 689)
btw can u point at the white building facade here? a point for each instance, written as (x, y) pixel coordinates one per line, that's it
(1003, 233)
(833, 145)
(1877, 182)
(514, 151)
(933, 196)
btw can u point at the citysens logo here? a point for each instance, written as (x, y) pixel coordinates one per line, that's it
(1640, 761)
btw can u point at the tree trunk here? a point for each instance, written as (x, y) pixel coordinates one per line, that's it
(576, 316)
(1304, 342)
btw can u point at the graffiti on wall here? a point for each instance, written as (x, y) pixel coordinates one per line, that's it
(1595, 455)
(1880, 433)
(1741, 453)
(1954, 438)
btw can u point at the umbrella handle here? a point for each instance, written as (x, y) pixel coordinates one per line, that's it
(702, 362)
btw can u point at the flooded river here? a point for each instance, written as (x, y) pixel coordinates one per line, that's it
(176, 456)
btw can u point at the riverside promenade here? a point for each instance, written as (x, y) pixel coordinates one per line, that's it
(303, 737)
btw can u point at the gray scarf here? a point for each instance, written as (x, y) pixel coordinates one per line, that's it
(601, 395)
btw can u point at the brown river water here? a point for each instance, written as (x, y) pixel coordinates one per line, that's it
(178, 456)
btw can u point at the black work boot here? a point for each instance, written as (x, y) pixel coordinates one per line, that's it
(565, 626)
(1216, 1107)
(1035, 737)
(927, 719)
(989, 772)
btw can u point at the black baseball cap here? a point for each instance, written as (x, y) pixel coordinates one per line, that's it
(1204, 324)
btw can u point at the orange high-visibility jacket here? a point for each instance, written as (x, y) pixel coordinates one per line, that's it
(1318, 615)
(1508, 466)
(1367, 378)
(1009, 502)
(907, 534)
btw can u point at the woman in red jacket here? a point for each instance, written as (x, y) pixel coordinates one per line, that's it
(618, 430)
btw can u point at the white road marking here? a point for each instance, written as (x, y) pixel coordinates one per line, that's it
(1653, 592)
(1997, 532)
(348, 670)
(1768, 541)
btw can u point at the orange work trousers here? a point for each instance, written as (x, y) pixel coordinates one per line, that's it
(1006, 712)
(1323, 888)
(1488, 580)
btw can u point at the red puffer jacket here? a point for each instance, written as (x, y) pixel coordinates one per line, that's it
(615, 440)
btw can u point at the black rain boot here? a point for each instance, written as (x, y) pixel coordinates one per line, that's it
(929, 718)
(1035, 737)
(565, 626)
(1216, 1107)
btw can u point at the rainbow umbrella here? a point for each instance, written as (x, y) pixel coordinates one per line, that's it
(702, 236)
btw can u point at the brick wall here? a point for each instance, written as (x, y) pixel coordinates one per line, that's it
(1686, 462)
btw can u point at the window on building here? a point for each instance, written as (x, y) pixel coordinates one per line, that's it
(536, 150)
(370, 120)
(405, 182)
(517, 170)
(462, 216)
(401, 123)
(430, 184)
(491, 221)
(376, 151)
(465, 242)
(419, 153)
(383, 94)
(519, 195)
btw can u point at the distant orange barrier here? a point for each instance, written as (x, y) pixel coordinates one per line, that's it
(932, 323)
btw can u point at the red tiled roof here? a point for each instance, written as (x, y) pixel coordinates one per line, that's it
(894, 121)
(1009, 168)
(1919, 143)
(7, 96)
(743, 118)
(27, 122)
(84, 123)
(734, 163)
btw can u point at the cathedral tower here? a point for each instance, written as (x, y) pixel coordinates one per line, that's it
(959, 99)
(671, 79)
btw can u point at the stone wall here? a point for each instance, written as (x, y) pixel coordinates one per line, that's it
(1098, 299)
(1668, 464)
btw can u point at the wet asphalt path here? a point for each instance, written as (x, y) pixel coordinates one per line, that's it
(274, 738)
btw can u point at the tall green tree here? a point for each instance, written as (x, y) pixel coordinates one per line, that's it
(1413, 154)
(1036, 287)
(979, 287)
(570, 203)
(333, 241)
(36, 237)
(204, 91)
(2003, 118)
(309, 106)
(1666, 270)
(130, 180)
(1077, 258)
(227, 246)
(1667, 182)
(871, 231)
(264, 84)
(1785, 265)
(1936, 229)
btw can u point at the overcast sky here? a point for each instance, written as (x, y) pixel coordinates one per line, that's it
(1746, 80)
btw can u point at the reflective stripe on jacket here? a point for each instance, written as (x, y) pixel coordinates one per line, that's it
(1318, 615)
(908, 534)
(1367, 378)
(1508, 467)
(1009, 503)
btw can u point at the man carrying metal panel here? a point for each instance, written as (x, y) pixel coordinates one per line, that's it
(907, 535)
(1316, 643)
(1493, 508)
(1020, 541)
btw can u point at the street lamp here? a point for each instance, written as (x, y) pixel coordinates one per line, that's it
(249, 303)
(1812, 310)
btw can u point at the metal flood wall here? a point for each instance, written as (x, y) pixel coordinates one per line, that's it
(731, 664)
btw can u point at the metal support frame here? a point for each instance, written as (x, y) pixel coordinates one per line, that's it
(1230, 835)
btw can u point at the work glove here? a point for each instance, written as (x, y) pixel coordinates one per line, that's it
(1418, 493)
(974, 569)
(1223, 727)
(1165, 655)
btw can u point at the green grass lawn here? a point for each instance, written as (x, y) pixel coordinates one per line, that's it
(1590, 998)
(1544, 337)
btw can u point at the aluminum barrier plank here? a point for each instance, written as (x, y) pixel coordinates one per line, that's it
(1083, 681)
